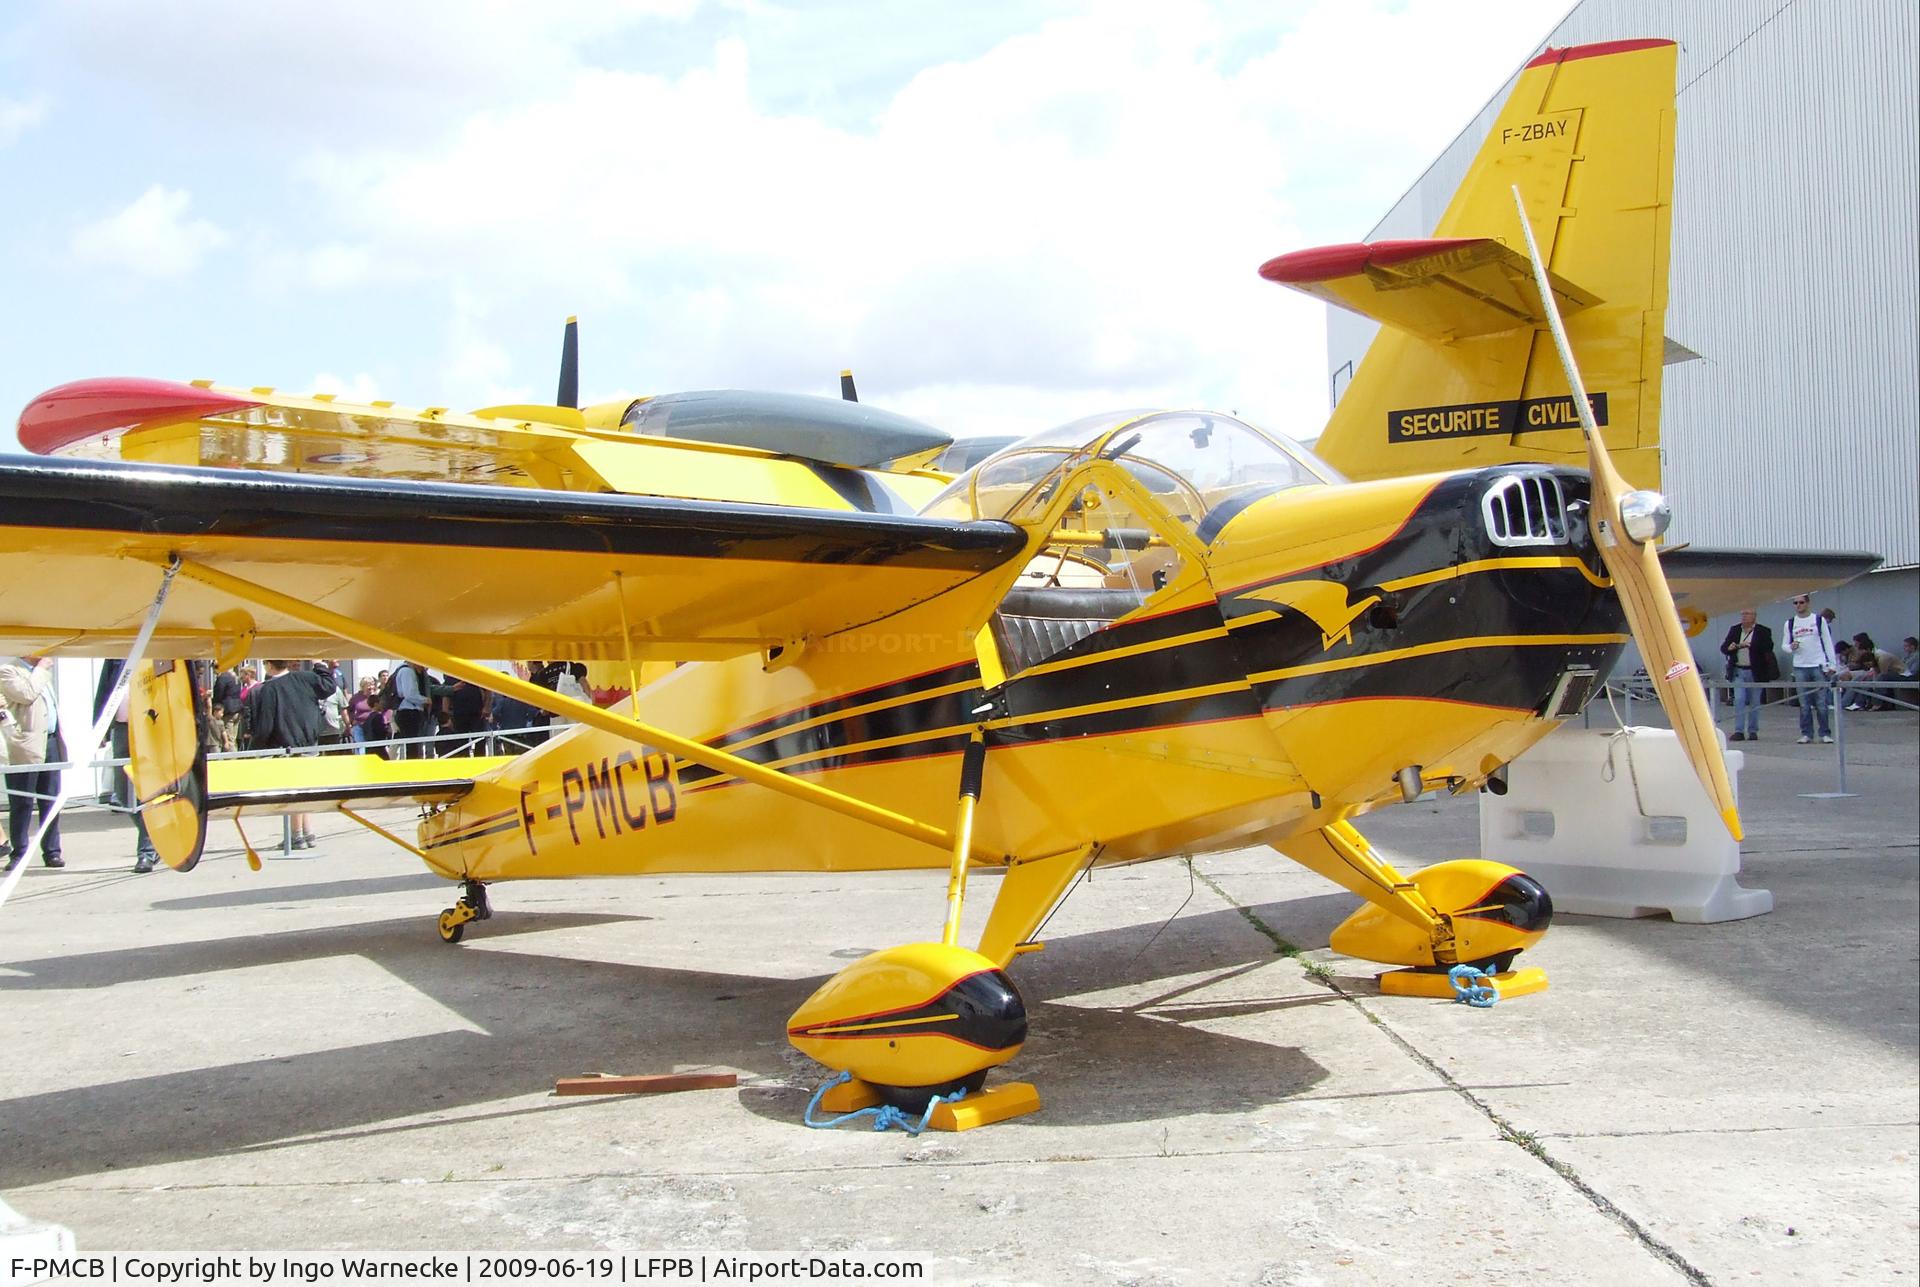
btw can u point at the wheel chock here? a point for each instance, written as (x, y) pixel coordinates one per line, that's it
(1011, 1099)
(849, 1096)
(1429, 983)
(983, 1108)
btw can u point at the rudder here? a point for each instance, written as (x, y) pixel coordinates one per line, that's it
(1463, 373)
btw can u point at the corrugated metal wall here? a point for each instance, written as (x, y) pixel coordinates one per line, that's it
(1795, 271)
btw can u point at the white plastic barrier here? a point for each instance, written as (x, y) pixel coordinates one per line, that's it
(1616, 824)
(27, 1240)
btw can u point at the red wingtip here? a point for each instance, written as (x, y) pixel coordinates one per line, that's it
(1325, 263)
(63, 416)
(1599, 50)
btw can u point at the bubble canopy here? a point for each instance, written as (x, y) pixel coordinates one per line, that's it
(1192, 462)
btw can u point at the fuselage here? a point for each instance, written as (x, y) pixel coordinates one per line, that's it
(1331, 636)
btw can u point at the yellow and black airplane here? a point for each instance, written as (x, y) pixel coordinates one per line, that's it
(1142, 634)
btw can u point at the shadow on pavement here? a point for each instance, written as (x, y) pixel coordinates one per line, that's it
(294, 893)
(543, 1017)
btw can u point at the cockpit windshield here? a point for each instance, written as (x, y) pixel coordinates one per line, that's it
(1191, 462)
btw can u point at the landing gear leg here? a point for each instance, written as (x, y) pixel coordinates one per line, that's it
(472, 906)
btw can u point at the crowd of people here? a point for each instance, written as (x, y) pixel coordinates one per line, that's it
(401, 713)
(298, 706)
(1821, 664)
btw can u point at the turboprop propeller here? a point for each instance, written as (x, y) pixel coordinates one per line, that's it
(1626, 525)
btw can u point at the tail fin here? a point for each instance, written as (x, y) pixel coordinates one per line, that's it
(569, 390)
(1463, 372)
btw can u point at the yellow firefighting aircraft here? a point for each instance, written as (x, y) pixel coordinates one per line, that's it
(1139, 635)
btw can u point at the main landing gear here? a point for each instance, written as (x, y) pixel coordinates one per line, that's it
(471, 907)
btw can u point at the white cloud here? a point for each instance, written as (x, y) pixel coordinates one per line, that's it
(1040, 226)
(365, 69)
(17, 116)
(151, 237)
(475, 364)
(359, 387)
(1075, 215)
(339, 267)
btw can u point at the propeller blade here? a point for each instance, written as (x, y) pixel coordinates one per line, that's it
(847, 391)
(569, 394)
(1638, 578)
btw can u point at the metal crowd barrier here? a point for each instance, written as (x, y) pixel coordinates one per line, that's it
(1722, 693)
(1621, 694)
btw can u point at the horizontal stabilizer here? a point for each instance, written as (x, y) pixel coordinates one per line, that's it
(1440, 289)
(308, 783)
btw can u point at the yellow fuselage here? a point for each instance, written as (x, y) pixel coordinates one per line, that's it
(1332, 637)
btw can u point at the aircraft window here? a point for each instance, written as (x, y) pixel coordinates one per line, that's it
(1109, 552)
(1191, 462)
(1213, 460)
(995, 487)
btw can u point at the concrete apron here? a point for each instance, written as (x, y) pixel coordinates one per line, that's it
(227, 1061)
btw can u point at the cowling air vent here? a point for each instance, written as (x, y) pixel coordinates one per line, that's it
(1526, 509)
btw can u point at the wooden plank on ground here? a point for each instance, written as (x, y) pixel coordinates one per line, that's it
(645, 1084)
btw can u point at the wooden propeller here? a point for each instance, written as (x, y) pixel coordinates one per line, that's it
(1626, 524)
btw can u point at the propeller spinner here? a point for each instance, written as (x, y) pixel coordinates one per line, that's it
(1626, 523)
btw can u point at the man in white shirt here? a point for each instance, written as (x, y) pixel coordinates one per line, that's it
(1810, 643)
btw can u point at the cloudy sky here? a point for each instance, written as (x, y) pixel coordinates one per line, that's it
(1001, 215)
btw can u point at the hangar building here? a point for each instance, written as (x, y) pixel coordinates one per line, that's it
(1792, 392)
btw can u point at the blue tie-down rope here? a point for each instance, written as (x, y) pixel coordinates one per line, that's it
(1467, 990)
(884, 1115)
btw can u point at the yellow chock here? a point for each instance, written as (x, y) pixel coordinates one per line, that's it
(1013, 1099)
(849, 1096)
(1426, 983)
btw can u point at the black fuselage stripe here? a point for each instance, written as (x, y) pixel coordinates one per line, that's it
(892, 691)
(1516, 688)
(498, 829)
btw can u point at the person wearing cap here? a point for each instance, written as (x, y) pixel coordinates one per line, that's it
(1810, 643)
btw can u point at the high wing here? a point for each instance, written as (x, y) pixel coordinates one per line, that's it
(479, 571)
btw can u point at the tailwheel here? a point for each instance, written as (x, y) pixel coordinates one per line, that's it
(453, 921)
(472, 906)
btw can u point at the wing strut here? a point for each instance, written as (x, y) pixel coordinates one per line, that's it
(386, 643)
